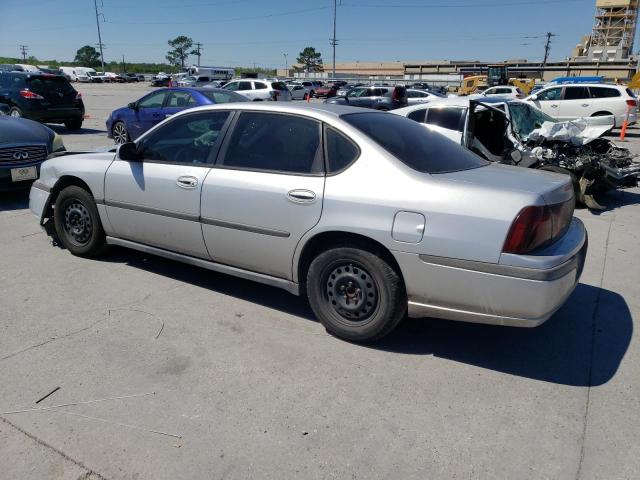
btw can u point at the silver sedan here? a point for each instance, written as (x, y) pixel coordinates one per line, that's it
(361, 211)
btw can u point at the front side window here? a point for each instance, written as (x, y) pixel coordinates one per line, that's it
(445, 117)
(186, 140)
(576, 93)
(155, 100)
(420, 149)
(275, 143)
(340, 151)
(180, 100)
(260, 85)
(551, 94)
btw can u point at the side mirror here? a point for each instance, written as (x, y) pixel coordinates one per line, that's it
(129, 152)
(133, 106)
(516, 156)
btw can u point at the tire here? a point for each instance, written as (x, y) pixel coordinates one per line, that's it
(15, 112)
(77, 222)
(119, 133)
(73, 125)
(356, 294)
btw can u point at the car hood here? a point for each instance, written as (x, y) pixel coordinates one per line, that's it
(577, 132)
(555, 188)
(21, 130)
(120, 111)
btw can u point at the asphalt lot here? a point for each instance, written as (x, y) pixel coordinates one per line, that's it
(255, 388)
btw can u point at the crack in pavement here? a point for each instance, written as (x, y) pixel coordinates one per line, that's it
(39, 441)
(594, 320)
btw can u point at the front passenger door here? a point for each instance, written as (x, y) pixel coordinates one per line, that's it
(156, 201)
(148, 114)
(549, 101)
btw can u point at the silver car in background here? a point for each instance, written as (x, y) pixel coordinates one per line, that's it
(363, 212)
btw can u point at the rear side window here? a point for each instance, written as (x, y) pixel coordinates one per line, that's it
(418, 115)
(260, 85)
(576, 93)
(244, 85)
(415, 146)
(275, 143)
(180, 99)
(449, 118)
(603, 92)
(340, 151)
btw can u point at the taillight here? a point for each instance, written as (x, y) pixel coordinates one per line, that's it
(538, 226)
(29, 94)
(632, 103)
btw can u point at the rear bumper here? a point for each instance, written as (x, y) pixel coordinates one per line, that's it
(491, 293)
(55, 115)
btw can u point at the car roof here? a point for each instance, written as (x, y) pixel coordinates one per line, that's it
(582, 84)
(319, 109)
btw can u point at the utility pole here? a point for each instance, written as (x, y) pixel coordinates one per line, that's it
(23, 50)
(286, 64)
(95, 4)
(198, 47)
(547, 49)
(123, 69)
(333, 42)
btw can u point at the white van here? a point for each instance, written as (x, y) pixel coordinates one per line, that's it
(83, 73)
(69, 72)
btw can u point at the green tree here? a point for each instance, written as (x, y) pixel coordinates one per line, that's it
(310, 60)
(87, 56)
(180, 50)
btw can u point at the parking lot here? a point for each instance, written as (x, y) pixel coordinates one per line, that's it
(185, 373)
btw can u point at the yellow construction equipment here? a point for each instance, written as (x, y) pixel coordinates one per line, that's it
(478, 83)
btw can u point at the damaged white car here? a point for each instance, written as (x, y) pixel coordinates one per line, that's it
(513, 132)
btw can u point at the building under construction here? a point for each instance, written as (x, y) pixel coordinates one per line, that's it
(613, 33)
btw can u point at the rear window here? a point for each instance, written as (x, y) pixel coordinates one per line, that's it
(631, 93)
(603, 92)
(53, 84)
(278, 86)
(220, 96)
(420, 149)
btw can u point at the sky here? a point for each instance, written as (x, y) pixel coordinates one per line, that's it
(260, 32)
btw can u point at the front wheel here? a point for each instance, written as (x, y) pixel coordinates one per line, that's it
(119, 133)
(357, 295)
(15, 112)
(77, 222)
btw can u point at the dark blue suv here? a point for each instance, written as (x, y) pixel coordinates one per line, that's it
(42, 97)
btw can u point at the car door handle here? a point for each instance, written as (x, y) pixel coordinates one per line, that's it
(555, 105)
(585, 104)
(301, 196)
(187, 181)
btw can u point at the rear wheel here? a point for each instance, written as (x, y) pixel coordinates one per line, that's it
(73, 124)
(119, 133)
(77, 222)
(15, 112)
(357, 295)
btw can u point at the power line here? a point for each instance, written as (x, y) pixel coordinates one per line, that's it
(197, 51)
(100, 44)
(23, 50)
(547, 49)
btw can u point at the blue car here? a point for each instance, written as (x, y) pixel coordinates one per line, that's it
(128, 123)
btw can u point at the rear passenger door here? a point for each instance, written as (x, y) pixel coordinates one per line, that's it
(177, 101)
(264, 193)
(576, 102)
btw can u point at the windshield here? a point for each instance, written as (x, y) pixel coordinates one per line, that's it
(421, 149)
(525, 118)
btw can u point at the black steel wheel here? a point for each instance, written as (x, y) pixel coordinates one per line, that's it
(119, 132)
(357, 294)
(77, 222)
